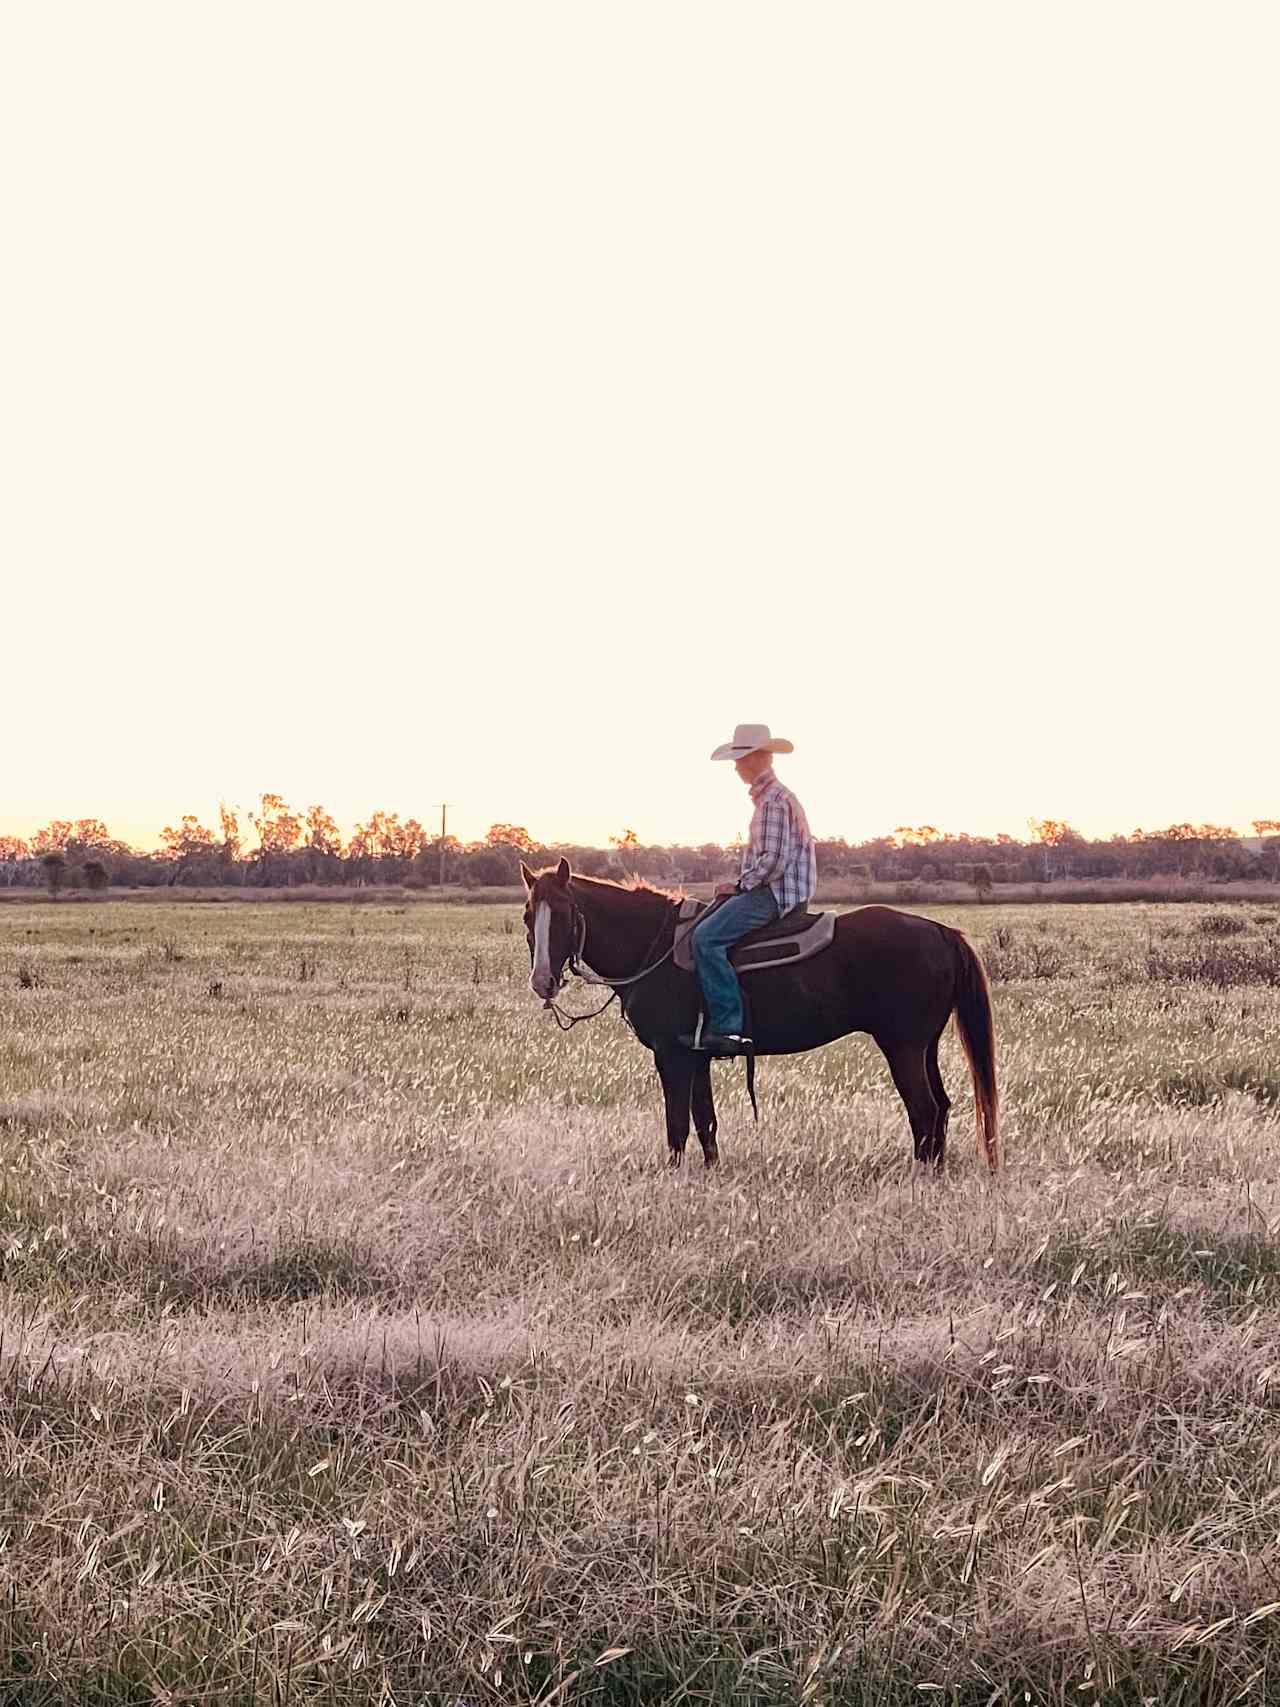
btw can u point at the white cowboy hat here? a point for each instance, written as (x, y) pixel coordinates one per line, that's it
(752, 738)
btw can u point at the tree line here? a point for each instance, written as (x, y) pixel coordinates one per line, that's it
(276, 846)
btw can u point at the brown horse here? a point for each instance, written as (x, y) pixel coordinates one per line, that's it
(895, 975)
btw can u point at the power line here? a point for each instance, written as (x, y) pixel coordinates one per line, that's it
(444, 806)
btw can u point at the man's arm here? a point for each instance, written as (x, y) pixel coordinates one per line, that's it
(766, 860)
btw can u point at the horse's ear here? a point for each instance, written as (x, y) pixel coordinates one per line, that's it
(563, 873)
(527, 875)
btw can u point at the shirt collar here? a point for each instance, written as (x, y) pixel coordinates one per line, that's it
(763, 783)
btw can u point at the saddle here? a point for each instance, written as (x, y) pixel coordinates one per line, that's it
(797, 935)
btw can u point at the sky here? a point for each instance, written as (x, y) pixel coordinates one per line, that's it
(495, 404)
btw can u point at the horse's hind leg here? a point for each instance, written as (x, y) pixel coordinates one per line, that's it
(676, 1072)
(911, 1076)
(940, 1097)
(704, 1113)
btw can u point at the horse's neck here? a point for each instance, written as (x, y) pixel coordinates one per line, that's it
(621, 926)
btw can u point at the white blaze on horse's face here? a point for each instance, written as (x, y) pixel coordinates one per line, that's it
(541, 980)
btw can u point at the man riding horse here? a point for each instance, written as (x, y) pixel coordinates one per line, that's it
(896, 976)
(779, 873)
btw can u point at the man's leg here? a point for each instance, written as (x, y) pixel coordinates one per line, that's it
(712, 941)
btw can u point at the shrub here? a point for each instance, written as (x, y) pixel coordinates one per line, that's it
(1010, 956)
(55, 871)
(1221, 964)
(1222, 924)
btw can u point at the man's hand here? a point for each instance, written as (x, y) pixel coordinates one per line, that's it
(723, 889)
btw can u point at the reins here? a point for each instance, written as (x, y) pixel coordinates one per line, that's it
(576, 963)
(566, 1022)
(581, 970)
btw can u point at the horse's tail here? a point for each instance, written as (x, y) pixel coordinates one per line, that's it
(976, 1025)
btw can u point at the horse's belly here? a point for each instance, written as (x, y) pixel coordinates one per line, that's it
(792, 1016)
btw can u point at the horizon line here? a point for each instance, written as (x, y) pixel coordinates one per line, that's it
(152, 840)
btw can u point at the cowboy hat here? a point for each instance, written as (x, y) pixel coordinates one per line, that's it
(752, 738)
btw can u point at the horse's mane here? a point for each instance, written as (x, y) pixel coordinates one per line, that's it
(632, 886)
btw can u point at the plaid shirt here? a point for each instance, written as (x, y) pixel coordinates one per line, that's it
(781, 848)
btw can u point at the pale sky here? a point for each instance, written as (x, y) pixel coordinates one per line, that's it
(495, 403)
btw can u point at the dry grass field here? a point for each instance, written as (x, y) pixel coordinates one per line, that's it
(356, 1346)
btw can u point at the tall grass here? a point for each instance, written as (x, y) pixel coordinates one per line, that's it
(355, 1345)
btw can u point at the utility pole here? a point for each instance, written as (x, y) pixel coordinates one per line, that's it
(444, 821)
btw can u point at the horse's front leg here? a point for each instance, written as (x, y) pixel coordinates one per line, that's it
(704, 1112)
(675, 1069)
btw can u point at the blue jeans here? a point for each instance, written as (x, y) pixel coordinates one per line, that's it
(712, 941)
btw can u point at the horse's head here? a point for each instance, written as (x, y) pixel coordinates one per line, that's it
(551, 923)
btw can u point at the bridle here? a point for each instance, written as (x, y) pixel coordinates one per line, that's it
(576, 963)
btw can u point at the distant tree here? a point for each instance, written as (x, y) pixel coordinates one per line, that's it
(279, 833)
(385, 849)
(591, 862)
(711, 861)
(229, 824)
(322, 845)
(1053, 832)
(444, 851)
(1177, 833)
(75, 836)
(91, 833)
(509, 836)
(920, 837)
(479, 865)
(13, 848)
(323, 835)
(396, 841)
(186, 847)
(95, 875)
(53, 838)
(279, 828)
(55, 871)
(436, 860)
(1054, 836)
(982, 881)
(625, 842)
(386, 829)
(1189, 848)
(188, 838)
(1269, 830)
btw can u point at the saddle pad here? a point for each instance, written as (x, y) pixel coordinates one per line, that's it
(810, 936)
